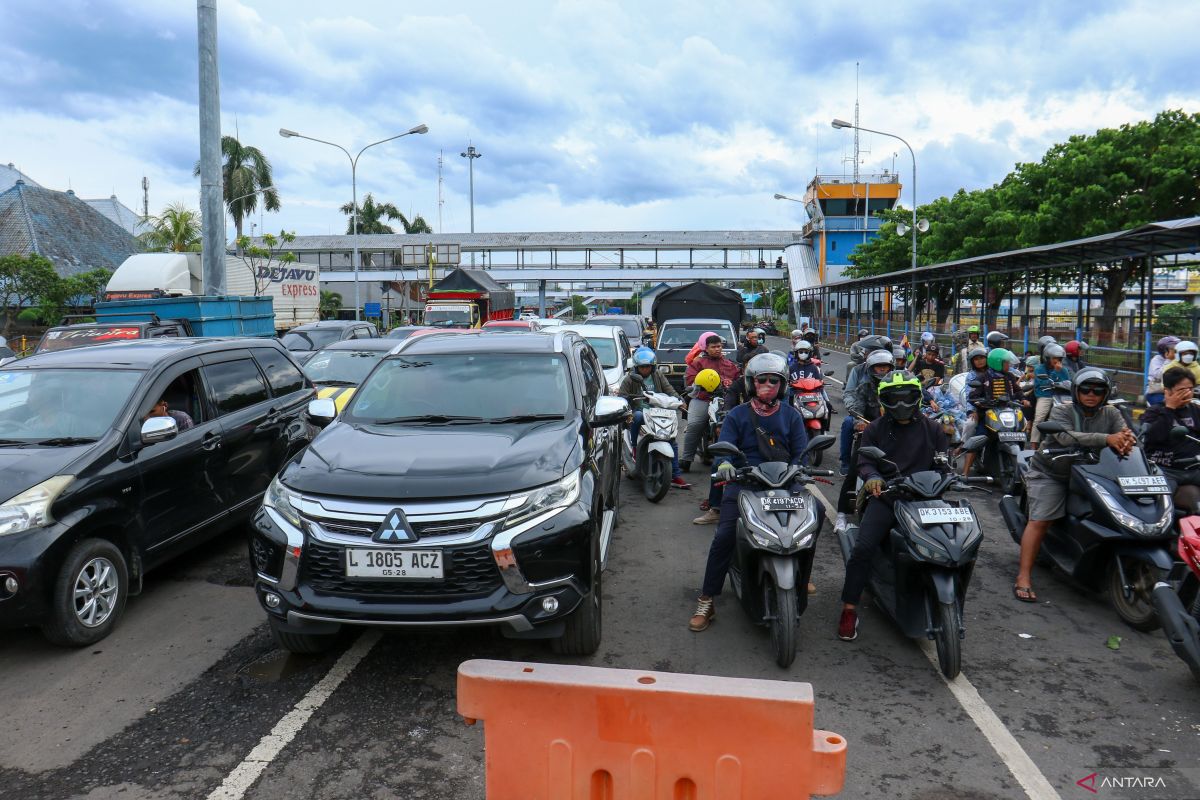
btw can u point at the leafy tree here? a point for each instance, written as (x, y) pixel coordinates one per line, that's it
(1175, 318)
(260, 259)
(372, 214)
(578, 309)
(330, 304)
(73, 292)
(176, 230)
(245, 171)
(25, 281)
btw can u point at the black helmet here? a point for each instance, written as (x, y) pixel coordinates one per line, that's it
(1092, 377)
(900, 394)
(996, 339)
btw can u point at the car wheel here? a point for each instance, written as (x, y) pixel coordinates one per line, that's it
(304, 643)
(89, 594)
(583, 628)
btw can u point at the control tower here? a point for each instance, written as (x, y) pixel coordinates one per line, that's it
(842, 213)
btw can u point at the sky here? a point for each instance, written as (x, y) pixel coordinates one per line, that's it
(593, 115)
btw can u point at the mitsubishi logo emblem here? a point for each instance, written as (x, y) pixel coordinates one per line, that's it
(395, 529)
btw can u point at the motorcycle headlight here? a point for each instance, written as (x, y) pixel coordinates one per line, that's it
(930, 549)
(282, 500)
(1008, 418)
(547, 498)
(31, 508)
(1128, 520)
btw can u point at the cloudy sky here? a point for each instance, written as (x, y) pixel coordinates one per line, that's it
(591, 115)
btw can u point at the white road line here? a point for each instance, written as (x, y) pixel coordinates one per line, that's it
(243, 776)
(1006, 746)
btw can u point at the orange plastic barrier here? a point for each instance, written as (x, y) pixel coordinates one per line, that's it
(558, 732)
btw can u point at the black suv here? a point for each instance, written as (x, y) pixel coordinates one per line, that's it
(304, 340)
(104, 482)
(472, 480)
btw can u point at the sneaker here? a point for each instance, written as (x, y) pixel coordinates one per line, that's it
(704, 505)
(686, 466)
(841, 522)
(848, 625)
(703, 616)
(845, 470)
(709, 517)
(679, 483)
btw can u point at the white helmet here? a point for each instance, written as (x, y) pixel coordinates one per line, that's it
(796, 334)
(803, 349)
(1186, 352)
(927, 338)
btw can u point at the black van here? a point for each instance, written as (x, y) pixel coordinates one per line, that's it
(114, 458)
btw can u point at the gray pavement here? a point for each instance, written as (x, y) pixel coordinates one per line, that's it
(191, 682)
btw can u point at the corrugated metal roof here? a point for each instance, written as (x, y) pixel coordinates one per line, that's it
(58, 225)
(559, 240)
(118, 212)
(9, 175)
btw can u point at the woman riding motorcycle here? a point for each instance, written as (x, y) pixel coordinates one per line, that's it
(1154, 384)
(645, 377)
(1164, 449)
(800, 362)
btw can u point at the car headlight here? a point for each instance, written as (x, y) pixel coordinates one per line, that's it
(279, 498)
(555, 495)
(31, 508)
(1128, 520)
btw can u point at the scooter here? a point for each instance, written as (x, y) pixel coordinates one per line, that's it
(1117, 529)
(1003, 422)
(778, 524)
(651, 464)
(810, 399)
(920, 575)
(1179, 608)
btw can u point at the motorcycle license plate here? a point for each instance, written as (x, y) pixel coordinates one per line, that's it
(783, 503)
(939, 515)
(1011, 436)
(393, 564)
(1144, 484)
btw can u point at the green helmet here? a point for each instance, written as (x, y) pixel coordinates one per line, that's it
(973, 329)
(998, 359)
(900, 393)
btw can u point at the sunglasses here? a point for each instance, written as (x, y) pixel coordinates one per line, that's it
(769, 380)
(1094, 391)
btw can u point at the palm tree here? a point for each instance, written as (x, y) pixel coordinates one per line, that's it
(245, 172)
(176, 229)
(330, 304)
(372, 214)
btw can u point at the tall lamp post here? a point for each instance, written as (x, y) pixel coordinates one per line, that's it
(288, 134)
(841, 123)
(471, 154)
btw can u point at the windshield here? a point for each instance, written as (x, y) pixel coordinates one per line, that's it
(310, 340)
(401, 333)
(65, 338)
(42, 404)
(686, 335)
(483, 386)
(606, 348)
(631, 327)
(342, 366)
(448, 317)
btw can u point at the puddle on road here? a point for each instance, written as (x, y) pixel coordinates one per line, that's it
(278, 665)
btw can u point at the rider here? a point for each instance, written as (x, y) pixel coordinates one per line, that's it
(1163, 449)
(1074, 360)
(994, 384)
(712, 358)
(995, 340)
(764, 429)
(858, 355)
(1186, 358)
(801, 363)
(927, 341)
(929, 367)
(862, 408)
(911, 442)
(1045, 375)
(962, 359)
(645, 377)
(1154, 384)
(1091, 424)
(754, 346)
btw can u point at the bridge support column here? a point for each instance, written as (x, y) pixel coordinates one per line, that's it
(542, 299)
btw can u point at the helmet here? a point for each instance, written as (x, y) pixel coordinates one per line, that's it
(899, 353)
(1073, 349)
(644, 357)
(879, 357)
(1053, 350)
(927, 338)
(998, 359)
(871, 343)
(996, 339)
(1184, 348)
(1045, 341)
(1166, 343)
(974, 353)
(1033, 361)
(973, 329)
(708, 380)
(796, 334)
(803, 350)
(1091, 376)
(862, 332)
(761, 333)
(900, 393)
(765, 364)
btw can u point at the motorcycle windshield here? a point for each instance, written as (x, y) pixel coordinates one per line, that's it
(1108, 472)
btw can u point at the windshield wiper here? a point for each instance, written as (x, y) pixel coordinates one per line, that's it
(337, 383)
(14, 442)
(524, 418)
(425, 418)
(65, 441)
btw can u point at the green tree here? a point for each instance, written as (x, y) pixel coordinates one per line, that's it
(1175, 318)
(244, 174)
(330, 304)
(261, 258)
(25, 281)
(371, 215)
(578, 309)
(72, 293)
(175, 230)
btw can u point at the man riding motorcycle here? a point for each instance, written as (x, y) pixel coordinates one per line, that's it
(712, 358)
(995, 383)
(927, 341)
(1163, 449)
(858, 354)
(764, 429)
(929, 368)
(996, 340)
(862, 408)
(1045, 375)
(642, 378)
(911, 442)
(962, 359)
(1075, 352)
(1091, 423)
(754, 346)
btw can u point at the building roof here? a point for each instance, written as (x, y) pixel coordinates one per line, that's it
(9, 175)
(58, 225)
(119, 213)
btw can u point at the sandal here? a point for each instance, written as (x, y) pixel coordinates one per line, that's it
(1025, 594)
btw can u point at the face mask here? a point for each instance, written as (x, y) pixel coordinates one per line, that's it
(766, 393)
(1187, 358)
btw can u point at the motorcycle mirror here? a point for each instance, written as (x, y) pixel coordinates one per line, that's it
(727, 449)
(629, 364)
(977, 443)
(1178, 433)
(829, 371)
(1053, 427)
(873, 453)
(822, 442)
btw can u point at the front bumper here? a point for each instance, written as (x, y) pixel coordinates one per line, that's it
(28, 557)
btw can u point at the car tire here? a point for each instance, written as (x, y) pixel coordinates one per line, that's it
(584, 626)
(89, 594)
(302, 643)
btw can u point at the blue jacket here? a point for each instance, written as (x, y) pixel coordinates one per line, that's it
(797, 370)
(786, 423)
(1043, 380)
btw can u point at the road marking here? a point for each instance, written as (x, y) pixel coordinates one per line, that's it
(1035, 784)
(243, 776)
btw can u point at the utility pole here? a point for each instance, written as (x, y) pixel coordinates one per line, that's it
(471, 155)
(212, 210)
(145, 198)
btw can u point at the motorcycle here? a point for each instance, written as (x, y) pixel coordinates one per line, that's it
(920, 575)
(1117, 529)
(778, 524)
(1003, 422)
(1177, 599)
(651, 463)
(810, 399)
(716, 417)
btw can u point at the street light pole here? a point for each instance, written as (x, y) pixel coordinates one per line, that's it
(289, 134)
(471, 155)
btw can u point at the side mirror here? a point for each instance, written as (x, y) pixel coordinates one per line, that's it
(321, 412)
(159, 429)
(977, 443)
(822, 442)
(727, 450)
(1178, 433)
(1057, 427)
(609, 411)
(874, 453)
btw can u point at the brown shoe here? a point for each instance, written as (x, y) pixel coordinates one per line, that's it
(703, 616)
(710, 517)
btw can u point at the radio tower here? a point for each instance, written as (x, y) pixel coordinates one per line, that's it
(440, 200)
(856, 151)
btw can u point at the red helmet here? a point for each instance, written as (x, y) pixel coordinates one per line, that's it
(1072, 348)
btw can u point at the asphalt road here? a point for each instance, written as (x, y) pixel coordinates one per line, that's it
(179, 696)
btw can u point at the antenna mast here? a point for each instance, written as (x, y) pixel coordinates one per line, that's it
(440, 200)
(856, 150)
(145, 198)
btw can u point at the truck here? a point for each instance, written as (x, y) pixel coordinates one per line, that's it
(683, 313)
(467, 298)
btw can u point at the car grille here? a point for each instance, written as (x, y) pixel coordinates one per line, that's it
(366, 530)
(468, 571)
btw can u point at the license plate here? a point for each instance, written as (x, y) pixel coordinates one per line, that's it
(1011, 436)
(394, 564)
(783, 503)
(1144, 484)
(938, 515)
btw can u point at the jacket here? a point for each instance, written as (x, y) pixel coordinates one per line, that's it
(723, 366)
(786, 423)
(1091, 433)
(1044, 380)
(987, 387)
(1154, 373)
(1157, 423)
(1193, 368)
(798, 370)
(632, 388)
(910, 447)
(746, 352)
(864, 400)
